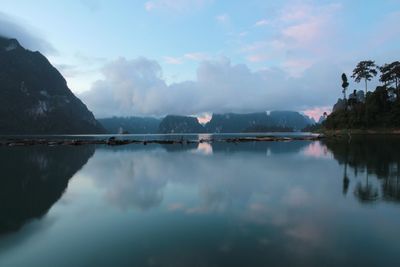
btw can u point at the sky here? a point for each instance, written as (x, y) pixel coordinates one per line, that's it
(198, 57)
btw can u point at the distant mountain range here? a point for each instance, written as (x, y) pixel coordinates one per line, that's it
(220, 123)
(34, 97)
(180, 124)
(132, 125)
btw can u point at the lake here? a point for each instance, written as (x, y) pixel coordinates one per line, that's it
(299, 203)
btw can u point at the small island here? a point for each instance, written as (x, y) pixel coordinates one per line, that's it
(369, 112)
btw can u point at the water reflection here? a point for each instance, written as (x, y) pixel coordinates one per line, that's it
(33, 179)
(366, 156)
(219, 204)
(139, 179)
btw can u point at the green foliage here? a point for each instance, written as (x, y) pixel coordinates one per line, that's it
(377, 112)
(382, 106)
(365, 70)
(390, 74)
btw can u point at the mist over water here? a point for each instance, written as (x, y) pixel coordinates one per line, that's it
(300, 203)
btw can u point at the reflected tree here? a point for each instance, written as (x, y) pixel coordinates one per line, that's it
(391, 185)
(366, 193)
(346, 180)
(376, 155)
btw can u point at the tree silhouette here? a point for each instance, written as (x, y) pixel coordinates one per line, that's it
(390, 75)
(365, 70)
(345, 84)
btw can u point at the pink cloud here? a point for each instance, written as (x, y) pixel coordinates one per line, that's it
(317, 112)
(305, 33)
(258, 57)
(300, 29)
(204, 118)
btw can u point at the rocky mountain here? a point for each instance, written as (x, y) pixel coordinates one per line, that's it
(180, 124)
(132, 125)
(256, 122)
(275, 121)
(35, 98)
(321, 119)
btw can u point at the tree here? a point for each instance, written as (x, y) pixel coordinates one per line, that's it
(365, 70)
(345, 84)
(390, 75)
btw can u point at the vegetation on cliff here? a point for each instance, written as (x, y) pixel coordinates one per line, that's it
(374, 109)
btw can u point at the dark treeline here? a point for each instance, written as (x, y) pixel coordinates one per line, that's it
(379, 108)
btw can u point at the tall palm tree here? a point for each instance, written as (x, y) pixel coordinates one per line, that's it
(365, 70)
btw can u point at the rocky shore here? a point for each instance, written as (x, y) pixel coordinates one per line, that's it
(113, 141)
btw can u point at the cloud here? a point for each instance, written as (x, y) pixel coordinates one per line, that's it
(223, 18)
(28, 37)
(197, 56)
(174, 5)
(258, 57)
(137, 87)
(262, 22)
(173, 60)
(317, 112)
(194, 56)
(301, 29)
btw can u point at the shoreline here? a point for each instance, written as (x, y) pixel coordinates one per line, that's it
(112, 141)
(359, 132)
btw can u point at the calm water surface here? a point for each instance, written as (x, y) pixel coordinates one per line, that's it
(328, 203)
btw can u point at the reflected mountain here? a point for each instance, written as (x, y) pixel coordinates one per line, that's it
(33, 179)
(260, 147)
(214, 204)
(141, 173)
(370, 155)
(219, 147)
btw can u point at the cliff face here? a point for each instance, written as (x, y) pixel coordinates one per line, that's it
(131, 125)
(35, 98)
(180, 124)
(282, 121)
(275, 120)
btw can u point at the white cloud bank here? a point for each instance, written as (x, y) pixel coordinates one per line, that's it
(136, 87)
(28, 37)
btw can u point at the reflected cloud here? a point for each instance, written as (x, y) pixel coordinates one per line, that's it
(236, 203)
(204, 148)
(317, 150)
(297, 196)
(306, 232)
(138, 176)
